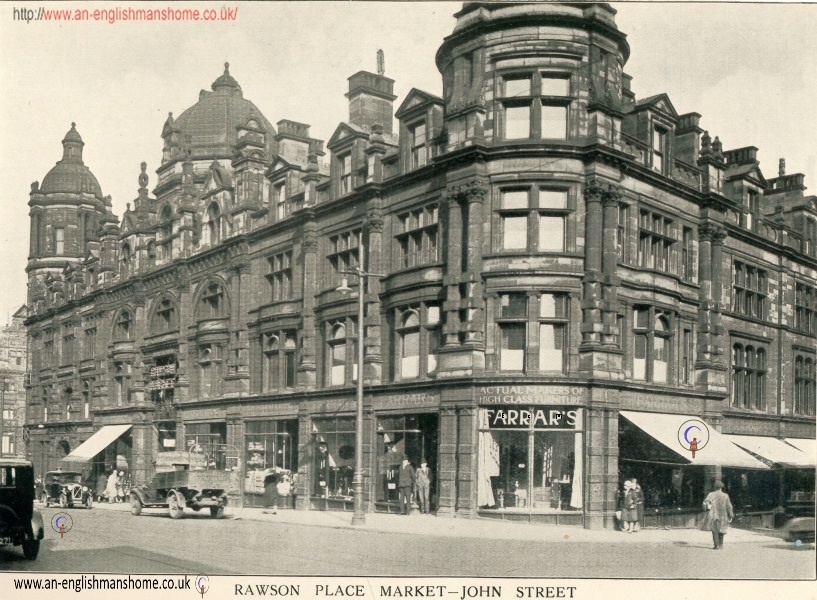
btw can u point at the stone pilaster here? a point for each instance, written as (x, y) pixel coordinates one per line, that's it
(601, 486)
(715, 326)
(591, 305)
(144, 448)
(447, 470)
(610, 335)
(307, 368)
(451, 210)
(467, 447)
(372, 359)
(704, 352)
(241, 283)
(473, 302)
(305, 458)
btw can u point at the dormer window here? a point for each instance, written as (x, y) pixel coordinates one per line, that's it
(345, 163)
(659, 149)
(753, 209)
(535, 106)
(280, 196)
(417, 139)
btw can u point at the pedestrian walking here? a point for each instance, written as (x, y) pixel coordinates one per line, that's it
(405, 484)
(120, 487)
(271, 493)
(719, 514)
(423, 478)
(101, 484)
(639, 505)
(110, 488)
(629, 512)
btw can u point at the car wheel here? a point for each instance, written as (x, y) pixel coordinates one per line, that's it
(63, 501)
(173, 506)
(216, 512)
(135, 505)
(31, 548)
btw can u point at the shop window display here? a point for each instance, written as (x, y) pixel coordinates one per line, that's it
(531, 459)
(334, 451)
(270, 448)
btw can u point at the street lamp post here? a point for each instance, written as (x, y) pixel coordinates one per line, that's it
(359, 515)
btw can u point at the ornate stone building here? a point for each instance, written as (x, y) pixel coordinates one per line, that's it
(569, 275)
(13, 367)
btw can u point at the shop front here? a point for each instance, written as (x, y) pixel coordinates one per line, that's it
(270, 459)
(675, 482)
(530, 463)
(109, 449)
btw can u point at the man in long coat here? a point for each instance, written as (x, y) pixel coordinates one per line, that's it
(405, 483)
(719, 514)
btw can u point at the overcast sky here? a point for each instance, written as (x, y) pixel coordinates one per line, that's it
(748, 69)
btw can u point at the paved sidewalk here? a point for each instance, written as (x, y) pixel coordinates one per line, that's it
(480, 528)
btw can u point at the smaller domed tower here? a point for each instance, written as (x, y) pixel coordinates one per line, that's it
(65, 212)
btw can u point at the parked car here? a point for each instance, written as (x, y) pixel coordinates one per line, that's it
(67, 489)
(799, 529)
(20, 523)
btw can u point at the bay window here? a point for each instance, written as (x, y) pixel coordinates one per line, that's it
(533, 219)
(534, 106)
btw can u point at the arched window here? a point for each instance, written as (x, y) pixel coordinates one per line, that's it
(278, 370)
(652, 332)
(214, 224)
(165, 317)
(341, 352)
(123, 327)
(409, 339)
(212, 305)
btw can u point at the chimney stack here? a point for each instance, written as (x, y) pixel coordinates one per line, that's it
(371, 98)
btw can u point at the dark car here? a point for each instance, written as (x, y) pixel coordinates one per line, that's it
(67, 489)
(20, 523)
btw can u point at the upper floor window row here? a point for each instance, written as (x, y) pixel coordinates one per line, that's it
(533, 219)
(418, 237)
(534, 105)
(805, 306)
(750, 291)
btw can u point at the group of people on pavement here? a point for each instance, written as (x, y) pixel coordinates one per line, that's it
(112, 487)
(411, 482)
(718, 507)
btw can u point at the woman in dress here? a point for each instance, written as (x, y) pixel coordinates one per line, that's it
(110, 489)
(120, 487)
(629, 510)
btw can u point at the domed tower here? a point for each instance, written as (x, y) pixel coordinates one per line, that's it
(532, 72)
(211, 131)
(66, 211)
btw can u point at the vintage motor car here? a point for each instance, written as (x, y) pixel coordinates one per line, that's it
(20, 523)
(183, 480)
(66, 489)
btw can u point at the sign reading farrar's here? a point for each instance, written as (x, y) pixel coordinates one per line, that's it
(537, 417)
(531, 394)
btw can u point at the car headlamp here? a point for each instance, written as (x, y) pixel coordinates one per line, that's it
(84, 488)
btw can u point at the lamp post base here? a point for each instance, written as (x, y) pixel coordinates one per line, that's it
(358, 519)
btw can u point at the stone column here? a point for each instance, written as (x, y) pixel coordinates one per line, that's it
(241, 283)
(704, 358)
(591, 282)
(235, 447)
(447, 462)
(372, 359)
(307, 369)
(145, 447)
(715, 327)
(610, 333)
(475, 194)
(369, 456)
(450, 207)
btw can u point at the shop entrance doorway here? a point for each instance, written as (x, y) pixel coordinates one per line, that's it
(415, 436)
